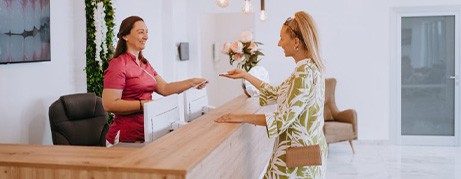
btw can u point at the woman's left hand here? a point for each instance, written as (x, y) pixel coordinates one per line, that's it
(235, 74)
(229, 118)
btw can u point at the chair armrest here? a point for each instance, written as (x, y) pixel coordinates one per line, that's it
(348, 116)
(102, 138)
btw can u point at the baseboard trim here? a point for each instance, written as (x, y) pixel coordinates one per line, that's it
(372, 142)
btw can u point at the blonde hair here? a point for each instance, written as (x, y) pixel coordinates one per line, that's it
(303, 27)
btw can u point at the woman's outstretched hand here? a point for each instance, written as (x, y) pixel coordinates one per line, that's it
(229, 118)
(199, 83)
(234, 74)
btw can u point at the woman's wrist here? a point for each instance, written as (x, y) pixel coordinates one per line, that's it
(246, 75)
(191, 83)
(253, 120)
(141, 107)
(247, 119)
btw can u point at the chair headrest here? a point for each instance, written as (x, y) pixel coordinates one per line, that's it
(79, 106)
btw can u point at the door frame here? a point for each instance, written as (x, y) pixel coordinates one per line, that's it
(395, 75)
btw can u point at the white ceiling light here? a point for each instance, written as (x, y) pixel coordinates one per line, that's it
(247, 7)
(222, 3)
(263, 15)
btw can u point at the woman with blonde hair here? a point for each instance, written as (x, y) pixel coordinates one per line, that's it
(298, 120)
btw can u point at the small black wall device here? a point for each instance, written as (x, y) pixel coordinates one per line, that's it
(183, 50)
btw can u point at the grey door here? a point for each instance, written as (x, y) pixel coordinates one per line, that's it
(428, 79)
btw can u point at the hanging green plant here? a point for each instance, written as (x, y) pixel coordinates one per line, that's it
(99, 42)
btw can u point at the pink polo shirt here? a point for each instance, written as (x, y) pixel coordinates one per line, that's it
(123, 73)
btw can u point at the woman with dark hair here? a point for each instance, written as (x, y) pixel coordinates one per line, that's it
(130, 80)
(298, 120)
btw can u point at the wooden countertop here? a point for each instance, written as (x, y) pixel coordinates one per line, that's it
(179, 153)
(60, 156)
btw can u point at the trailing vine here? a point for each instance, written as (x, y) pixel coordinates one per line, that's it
(110, 24)
(97, 60)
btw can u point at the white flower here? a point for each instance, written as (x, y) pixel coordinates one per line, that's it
(243, 51)
(226, 48)
(101, 30)
(246, 36)
(237, 47)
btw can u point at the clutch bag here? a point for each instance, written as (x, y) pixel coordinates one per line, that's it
(304, 156)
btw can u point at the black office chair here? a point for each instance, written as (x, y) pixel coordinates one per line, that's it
(78, 119)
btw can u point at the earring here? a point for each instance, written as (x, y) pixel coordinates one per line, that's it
(296, 48)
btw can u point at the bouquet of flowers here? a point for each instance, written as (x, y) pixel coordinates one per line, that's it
(245, 51)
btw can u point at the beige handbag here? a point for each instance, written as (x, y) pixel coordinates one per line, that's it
(304, 156)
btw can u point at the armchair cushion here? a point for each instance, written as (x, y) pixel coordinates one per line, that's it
(348, 116)
(327, 114)
(338, 131)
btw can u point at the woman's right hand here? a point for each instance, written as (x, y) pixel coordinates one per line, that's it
(235, 74)
(199, 83)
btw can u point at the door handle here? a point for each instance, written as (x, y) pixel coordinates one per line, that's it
(452, 77)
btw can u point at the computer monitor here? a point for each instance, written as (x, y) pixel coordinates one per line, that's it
(159, 114)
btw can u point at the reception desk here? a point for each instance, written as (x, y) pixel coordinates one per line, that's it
(201, 149)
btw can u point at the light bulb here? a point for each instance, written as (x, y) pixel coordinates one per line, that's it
(263, 15)
(222, 3)
(247, 7)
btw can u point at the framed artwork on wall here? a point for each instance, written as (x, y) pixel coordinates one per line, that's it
(24, 31)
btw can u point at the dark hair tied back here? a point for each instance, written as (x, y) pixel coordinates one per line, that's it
(125, 28)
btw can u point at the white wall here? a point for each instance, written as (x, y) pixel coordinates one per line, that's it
(355, 43)
(28, 89)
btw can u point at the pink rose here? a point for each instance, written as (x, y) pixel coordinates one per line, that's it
(237, 47)
(226, 48)
(236, 56)
(246, 36)
(252, 47)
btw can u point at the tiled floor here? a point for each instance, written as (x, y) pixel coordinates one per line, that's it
(374, 160)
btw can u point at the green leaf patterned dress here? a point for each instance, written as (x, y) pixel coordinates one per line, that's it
(298, 120)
